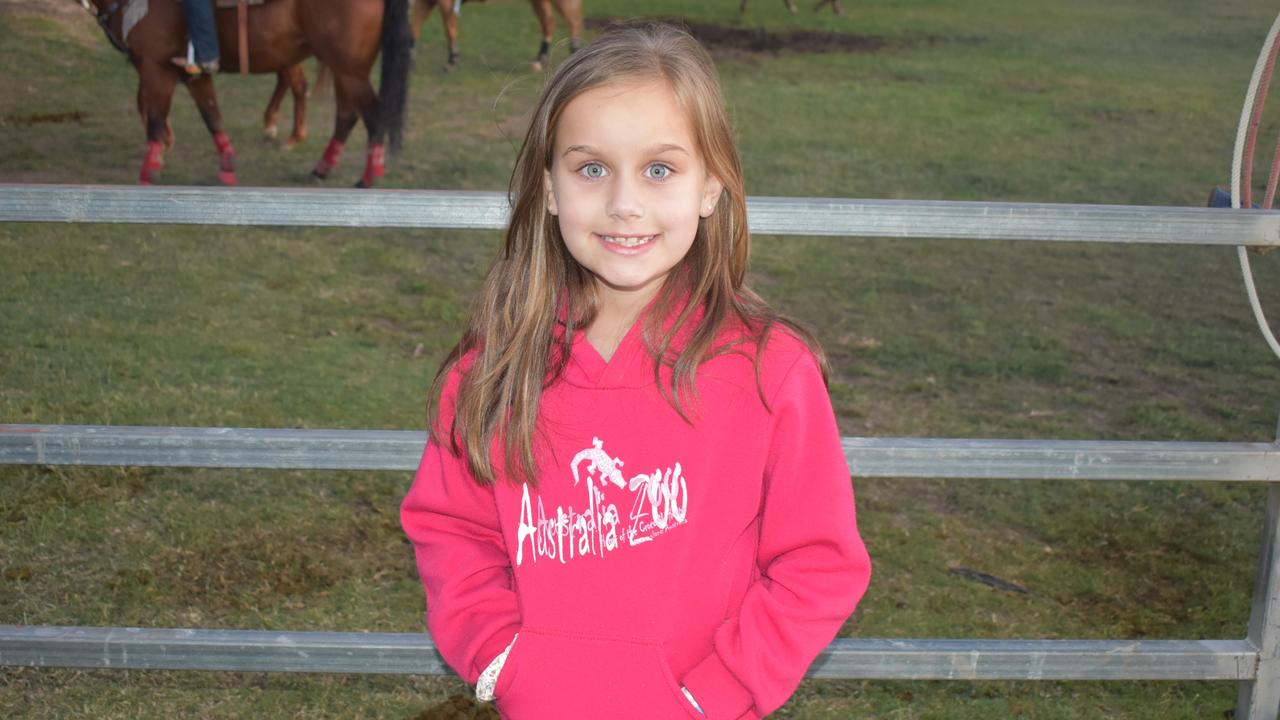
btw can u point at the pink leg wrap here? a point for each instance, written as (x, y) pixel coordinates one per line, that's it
(226, 159)
(375, 167)
(328, 161)
(151, 162)
(223, 143)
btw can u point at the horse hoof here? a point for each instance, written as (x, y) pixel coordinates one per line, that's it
(288, 144)
(318, 177)
(536, 66)
(269, 132)
(227, 177)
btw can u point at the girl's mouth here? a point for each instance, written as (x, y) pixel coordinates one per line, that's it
(627, 244)
(628, 241)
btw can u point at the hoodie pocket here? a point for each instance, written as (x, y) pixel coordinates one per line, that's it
(561, 675)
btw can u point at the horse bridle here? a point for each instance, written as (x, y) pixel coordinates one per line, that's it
(104, 15)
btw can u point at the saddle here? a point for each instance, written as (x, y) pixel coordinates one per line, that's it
(242, 26)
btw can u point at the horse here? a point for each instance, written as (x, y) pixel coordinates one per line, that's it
(346, 35)
(570, 10)
(449, 11)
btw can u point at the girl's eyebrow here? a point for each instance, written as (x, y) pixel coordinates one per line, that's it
(579, 148)
(664, 147)
(655, 150)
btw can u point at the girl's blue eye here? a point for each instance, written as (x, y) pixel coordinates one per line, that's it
(658, 171)
(594, 171)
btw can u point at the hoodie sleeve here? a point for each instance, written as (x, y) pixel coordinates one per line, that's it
(813, 565)
(472, 611)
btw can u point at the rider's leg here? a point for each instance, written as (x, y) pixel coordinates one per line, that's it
(202, 32)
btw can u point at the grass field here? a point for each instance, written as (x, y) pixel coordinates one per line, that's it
(1124, 101)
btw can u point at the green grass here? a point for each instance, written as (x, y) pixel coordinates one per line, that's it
(1031, 100)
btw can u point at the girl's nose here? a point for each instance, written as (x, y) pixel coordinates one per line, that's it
(624, 201)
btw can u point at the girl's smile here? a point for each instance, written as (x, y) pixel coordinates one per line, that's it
(627, 244)
(628, 185)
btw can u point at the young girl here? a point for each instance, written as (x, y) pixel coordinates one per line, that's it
(634, 502)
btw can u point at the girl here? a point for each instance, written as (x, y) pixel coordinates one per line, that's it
(634, 502)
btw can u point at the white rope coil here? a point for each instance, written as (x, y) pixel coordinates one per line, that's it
(1237, 181)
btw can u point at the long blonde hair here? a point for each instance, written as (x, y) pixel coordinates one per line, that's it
(536, 295)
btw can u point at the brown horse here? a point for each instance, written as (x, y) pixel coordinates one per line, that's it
(345, 35)
(570, 10)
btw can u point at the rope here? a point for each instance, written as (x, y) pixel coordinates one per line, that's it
(1272, 179)
(1249, 116)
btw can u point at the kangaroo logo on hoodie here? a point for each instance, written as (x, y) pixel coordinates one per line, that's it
(660, 504)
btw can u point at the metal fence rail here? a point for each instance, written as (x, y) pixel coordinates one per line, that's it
(1254, 662)
(414, 653)
(867, 457)
(768, 215)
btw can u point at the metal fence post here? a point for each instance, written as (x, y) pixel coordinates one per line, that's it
(1259, 698)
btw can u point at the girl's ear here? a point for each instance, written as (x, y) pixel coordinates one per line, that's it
(710, 196)
(550, 192)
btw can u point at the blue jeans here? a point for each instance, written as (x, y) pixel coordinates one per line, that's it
(201, 29)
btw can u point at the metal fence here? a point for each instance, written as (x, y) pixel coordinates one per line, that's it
(1253, 661)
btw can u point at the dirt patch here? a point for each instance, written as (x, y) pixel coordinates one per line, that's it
(724, 38)
(73, 116)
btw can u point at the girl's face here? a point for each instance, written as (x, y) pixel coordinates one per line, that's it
(628, 185)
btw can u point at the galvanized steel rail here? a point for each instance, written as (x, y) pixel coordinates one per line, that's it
(1254, 661)
(414, 653)
(331, 449)
(767, 215)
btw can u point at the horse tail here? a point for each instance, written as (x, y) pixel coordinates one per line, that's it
(393, 87)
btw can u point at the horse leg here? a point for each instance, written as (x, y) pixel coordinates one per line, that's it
(347, 115)
(542, 8)
(201, 89)
(449, 19)
(419, 11)
(142, 115)
(364, 101)
(155, 92)
(418, 14)
(791, 6)
(571, 11)
(273, 106)
(324, 79)
(298, 85)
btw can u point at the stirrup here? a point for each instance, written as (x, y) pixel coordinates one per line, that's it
(189, 64)
(189, 68)
(193, 69)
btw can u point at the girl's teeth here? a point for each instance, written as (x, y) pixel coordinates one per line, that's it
(627, 241)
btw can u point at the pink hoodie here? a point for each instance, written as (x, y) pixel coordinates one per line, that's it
(721, 555)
